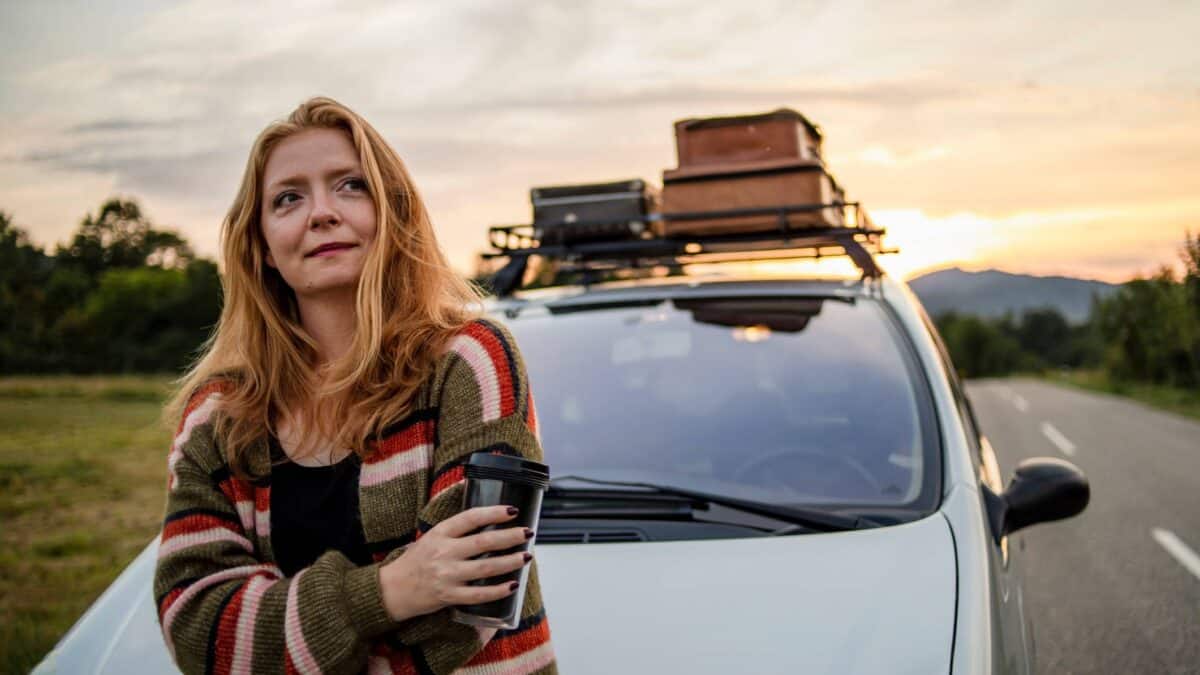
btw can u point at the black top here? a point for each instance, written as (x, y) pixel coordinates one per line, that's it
(314, 509)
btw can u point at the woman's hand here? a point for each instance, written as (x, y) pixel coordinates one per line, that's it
(433, 571)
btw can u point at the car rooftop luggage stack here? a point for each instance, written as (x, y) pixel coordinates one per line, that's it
(750, 187)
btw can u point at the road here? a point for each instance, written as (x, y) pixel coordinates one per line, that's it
(1116, 589)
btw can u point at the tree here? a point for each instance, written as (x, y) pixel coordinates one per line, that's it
(1191, 281)
(120, 236)
(1045, 334)
(980, 348)
(144, 319)
(121, 296)
(86, 302)
(1152, 331)
(24, 269)
(1190, 254)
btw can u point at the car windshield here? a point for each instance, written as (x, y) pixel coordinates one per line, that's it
(783, 400)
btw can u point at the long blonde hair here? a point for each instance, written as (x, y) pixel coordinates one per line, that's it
(409, 303)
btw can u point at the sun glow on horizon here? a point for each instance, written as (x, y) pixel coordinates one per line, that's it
(927, 243)
(1085, 243)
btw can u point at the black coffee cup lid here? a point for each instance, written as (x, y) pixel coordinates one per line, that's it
(509, 463)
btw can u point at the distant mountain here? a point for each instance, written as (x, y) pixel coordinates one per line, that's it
(991, 293)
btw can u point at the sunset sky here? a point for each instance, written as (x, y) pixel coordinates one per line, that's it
(1047, 138)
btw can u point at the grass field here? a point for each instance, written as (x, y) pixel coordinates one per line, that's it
(1175, 399)
(82, 488)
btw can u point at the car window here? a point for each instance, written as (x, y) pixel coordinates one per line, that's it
(788, 400)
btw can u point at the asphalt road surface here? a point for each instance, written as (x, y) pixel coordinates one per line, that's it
(1117, 588)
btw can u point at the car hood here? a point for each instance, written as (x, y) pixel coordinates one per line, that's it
(870, 601)
(119, 633)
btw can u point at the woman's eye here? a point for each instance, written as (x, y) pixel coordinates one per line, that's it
(284, 199)
(355, 184)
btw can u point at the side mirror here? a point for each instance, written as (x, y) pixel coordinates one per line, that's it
(1043, 489)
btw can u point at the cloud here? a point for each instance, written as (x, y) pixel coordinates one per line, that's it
(878, 154)
(112, 124)
(926, 107)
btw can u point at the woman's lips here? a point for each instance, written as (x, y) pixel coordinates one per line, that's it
(330, 251)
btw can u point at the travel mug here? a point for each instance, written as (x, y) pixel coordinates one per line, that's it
(494, 479)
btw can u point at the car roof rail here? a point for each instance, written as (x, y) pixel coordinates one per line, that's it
(859, 239)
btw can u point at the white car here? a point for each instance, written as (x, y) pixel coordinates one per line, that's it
(751, 475)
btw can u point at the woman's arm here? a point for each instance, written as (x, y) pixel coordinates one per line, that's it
(221, 608)
(484, 404)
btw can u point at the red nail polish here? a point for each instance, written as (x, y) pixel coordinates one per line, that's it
(528, 556)
(528, 533)
(513, 585)
(512, 510)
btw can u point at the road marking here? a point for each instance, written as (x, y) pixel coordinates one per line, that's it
(1186, 556)
(1019, 401)
(1056, 437)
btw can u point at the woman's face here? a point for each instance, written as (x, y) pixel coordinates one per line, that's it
(318, 217)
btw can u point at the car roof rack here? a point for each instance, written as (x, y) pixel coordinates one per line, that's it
(859, 239)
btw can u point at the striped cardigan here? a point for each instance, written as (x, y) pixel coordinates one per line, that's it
(224, 605)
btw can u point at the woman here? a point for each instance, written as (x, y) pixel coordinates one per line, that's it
(314, 516)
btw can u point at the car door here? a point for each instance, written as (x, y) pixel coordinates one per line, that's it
(1015, 634)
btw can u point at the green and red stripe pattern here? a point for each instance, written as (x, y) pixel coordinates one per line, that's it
(225, 607)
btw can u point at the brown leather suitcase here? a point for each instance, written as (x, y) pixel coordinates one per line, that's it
(779, 135)
(749, 186)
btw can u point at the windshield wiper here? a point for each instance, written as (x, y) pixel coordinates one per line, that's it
(822, 521)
